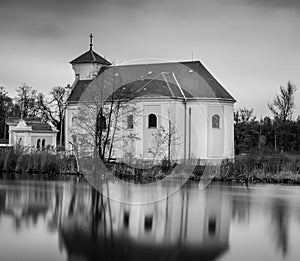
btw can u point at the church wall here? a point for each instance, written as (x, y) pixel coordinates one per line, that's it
(216, 135)
(70, 112)
(202, 141)
(229, 131)
(220, 140)
(150, 108)
(196, 130)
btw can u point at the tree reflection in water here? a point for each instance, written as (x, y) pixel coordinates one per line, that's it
(280, 222)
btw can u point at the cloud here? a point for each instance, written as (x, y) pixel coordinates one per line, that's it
(65, 6)
(285, 4)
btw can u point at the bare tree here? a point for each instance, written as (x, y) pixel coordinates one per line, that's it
(100, 120)
(283, 103)
(27, 100)
(52, 109)
(244, 115)
(164, 141)
(6, 108)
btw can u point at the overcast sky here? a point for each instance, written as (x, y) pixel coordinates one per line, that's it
(250, 46)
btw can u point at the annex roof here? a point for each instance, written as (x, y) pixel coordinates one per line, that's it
(35, 124)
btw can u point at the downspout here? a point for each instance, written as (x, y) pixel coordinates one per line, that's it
(185, 112)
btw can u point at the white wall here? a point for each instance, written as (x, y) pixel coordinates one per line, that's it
(70, 113)
(86, 71)
(202, 141)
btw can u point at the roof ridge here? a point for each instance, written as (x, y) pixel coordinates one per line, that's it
(92, 53)
(90, 56)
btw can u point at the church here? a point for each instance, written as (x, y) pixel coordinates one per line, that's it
(173, 110)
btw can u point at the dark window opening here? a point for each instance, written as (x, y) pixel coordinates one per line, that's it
(130, 122)
(215, 121)
(43, 144)
(152, 121)
(148, 223)
(101, 122)
(212, 226)
(38, 144)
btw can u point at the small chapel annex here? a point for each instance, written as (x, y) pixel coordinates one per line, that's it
(184, 93)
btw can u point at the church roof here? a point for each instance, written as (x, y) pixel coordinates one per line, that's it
(78, 89)
(191, 77)
(149, 88)
(90, 57)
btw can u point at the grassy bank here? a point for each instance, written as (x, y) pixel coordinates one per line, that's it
(45, 162)
(245, 169)
(279, 168)
(252, 168)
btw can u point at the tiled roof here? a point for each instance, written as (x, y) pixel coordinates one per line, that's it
(36, 124)
(15, 120)
(90, 57)
(40, 126)
(194, 79)
(78, 89)
(148, 88)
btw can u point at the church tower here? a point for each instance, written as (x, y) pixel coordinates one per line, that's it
(87, 65)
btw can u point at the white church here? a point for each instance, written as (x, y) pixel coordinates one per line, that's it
(174, 110)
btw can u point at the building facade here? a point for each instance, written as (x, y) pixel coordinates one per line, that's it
(179, 108)
(32, 133)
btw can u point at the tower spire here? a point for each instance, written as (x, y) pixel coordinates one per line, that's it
(91, 41)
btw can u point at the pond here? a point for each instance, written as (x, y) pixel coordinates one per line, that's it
(68, 220)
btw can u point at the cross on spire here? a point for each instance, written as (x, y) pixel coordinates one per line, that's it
(91, 41)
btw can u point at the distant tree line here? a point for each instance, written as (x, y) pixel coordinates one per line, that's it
(281, 133)
(29, 103)
(269, 135)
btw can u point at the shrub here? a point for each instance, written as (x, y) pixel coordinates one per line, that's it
(10, 160)
(22, 162)
(49, 163)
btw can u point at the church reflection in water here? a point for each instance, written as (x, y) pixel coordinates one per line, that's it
(190, 224)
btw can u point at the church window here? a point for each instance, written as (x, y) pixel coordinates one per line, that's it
(101, 122)
(38, 143)
(152, 121)
(215, 121)
(130, 121)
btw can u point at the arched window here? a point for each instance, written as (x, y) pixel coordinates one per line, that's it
(43, 144)
(215, 121)
(130, 121)
(152, 121)
(103, 122)
(38, 143)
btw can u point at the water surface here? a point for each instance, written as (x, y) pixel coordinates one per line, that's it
(67, 220)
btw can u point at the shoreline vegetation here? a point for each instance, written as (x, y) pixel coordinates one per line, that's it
(250, 168)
